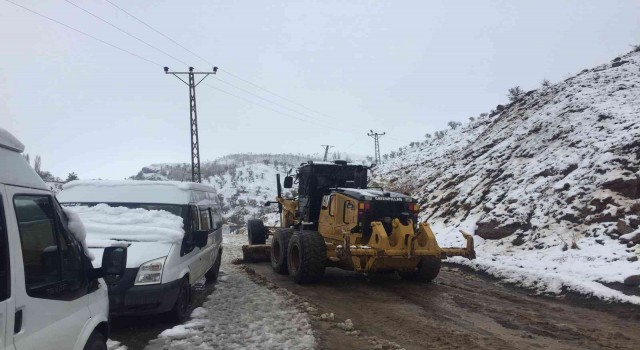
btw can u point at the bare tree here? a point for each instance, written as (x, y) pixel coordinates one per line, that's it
(37, 163)
(515, 93)
(472, 119)
(636, 48)
(427, 136)
(26, 157)
(545, 83)
(482, 115)
(454, 125)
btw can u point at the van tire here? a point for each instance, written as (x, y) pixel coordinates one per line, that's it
(279, 250)
(427, 270)
(256, 232)
(213, 272)
(96, 341)
(306, 257)
(180, 309)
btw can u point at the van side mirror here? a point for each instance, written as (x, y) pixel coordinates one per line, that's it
(114, 263)
(200, 238)
(288, 182)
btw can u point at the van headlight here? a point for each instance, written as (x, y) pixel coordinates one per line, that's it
(150, 272)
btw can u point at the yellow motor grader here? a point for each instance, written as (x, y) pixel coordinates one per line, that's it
(336, 221)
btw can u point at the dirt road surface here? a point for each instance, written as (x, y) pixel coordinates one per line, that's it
(461, 310)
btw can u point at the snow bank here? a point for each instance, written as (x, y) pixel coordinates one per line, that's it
(78, 230)
(104, 224)
(550, 269)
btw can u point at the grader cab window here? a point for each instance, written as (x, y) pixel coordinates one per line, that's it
(347, 211)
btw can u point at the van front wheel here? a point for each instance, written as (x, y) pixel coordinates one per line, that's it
(181, 308)
(213, 272)
(96, 341)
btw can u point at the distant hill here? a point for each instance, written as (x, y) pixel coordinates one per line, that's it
(244, 181)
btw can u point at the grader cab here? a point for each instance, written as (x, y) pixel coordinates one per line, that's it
(336, 221)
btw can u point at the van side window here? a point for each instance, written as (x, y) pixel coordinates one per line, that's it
(51, 259)
(188, 243)
(5, 285)
(205, 219)
(216, 217)
(195, 219)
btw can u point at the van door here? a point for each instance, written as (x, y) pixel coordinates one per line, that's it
(6, 304)
(51, 293)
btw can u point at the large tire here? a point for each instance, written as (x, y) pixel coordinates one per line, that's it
(180, 309)
(306, 256)
(96, 341)
(256, 231)
(279, 249)
(213, 272)
(426, 271)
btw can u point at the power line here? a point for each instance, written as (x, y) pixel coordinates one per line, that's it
(211, 64)
(159, 65)
(157, 31)
(125, 32)
(273, 110)
(83, 33)
(181, 61)
(265, 99)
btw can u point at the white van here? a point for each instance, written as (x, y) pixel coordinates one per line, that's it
(159, 273)
(51, 297)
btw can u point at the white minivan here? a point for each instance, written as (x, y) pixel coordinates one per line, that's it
(159, 273)
(51, 297)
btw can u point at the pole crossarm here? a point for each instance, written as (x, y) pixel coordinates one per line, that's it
(193, 117)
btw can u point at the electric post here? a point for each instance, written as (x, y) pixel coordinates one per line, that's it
(193, 113)
(376, 136)
(326, 151)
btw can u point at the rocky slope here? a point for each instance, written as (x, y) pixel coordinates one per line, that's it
(549, 184)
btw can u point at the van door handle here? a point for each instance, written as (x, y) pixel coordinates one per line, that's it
(17, 325)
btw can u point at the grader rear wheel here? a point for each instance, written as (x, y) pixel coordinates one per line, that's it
(279, 248)
(306, 257)
(426, 271)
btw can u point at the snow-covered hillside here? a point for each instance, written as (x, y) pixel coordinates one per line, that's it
(550, 183)
(244, 181)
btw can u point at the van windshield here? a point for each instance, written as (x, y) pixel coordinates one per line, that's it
(171, 208)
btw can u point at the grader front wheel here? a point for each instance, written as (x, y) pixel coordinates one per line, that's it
(426, 271)
(306, 257)
(256, 232)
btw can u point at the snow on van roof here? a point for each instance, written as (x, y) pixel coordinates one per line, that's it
(135, 191)
(185, 186)
(102, 222)
(10, 142)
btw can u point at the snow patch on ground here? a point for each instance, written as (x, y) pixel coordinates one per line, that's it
(115, 345)
(240, 315)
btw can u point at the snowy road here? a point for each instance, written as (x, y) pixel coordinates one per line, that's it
(238, 314)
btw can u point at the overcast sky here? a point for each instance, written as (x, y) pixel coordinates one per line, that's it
(404, 67)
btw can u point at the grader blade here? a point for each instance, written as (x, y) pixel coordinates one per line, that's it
(256, 253)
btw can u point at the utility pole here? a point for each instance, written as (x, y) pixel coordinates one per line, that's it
(193, 113)
(376, 136)
(326, 151)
